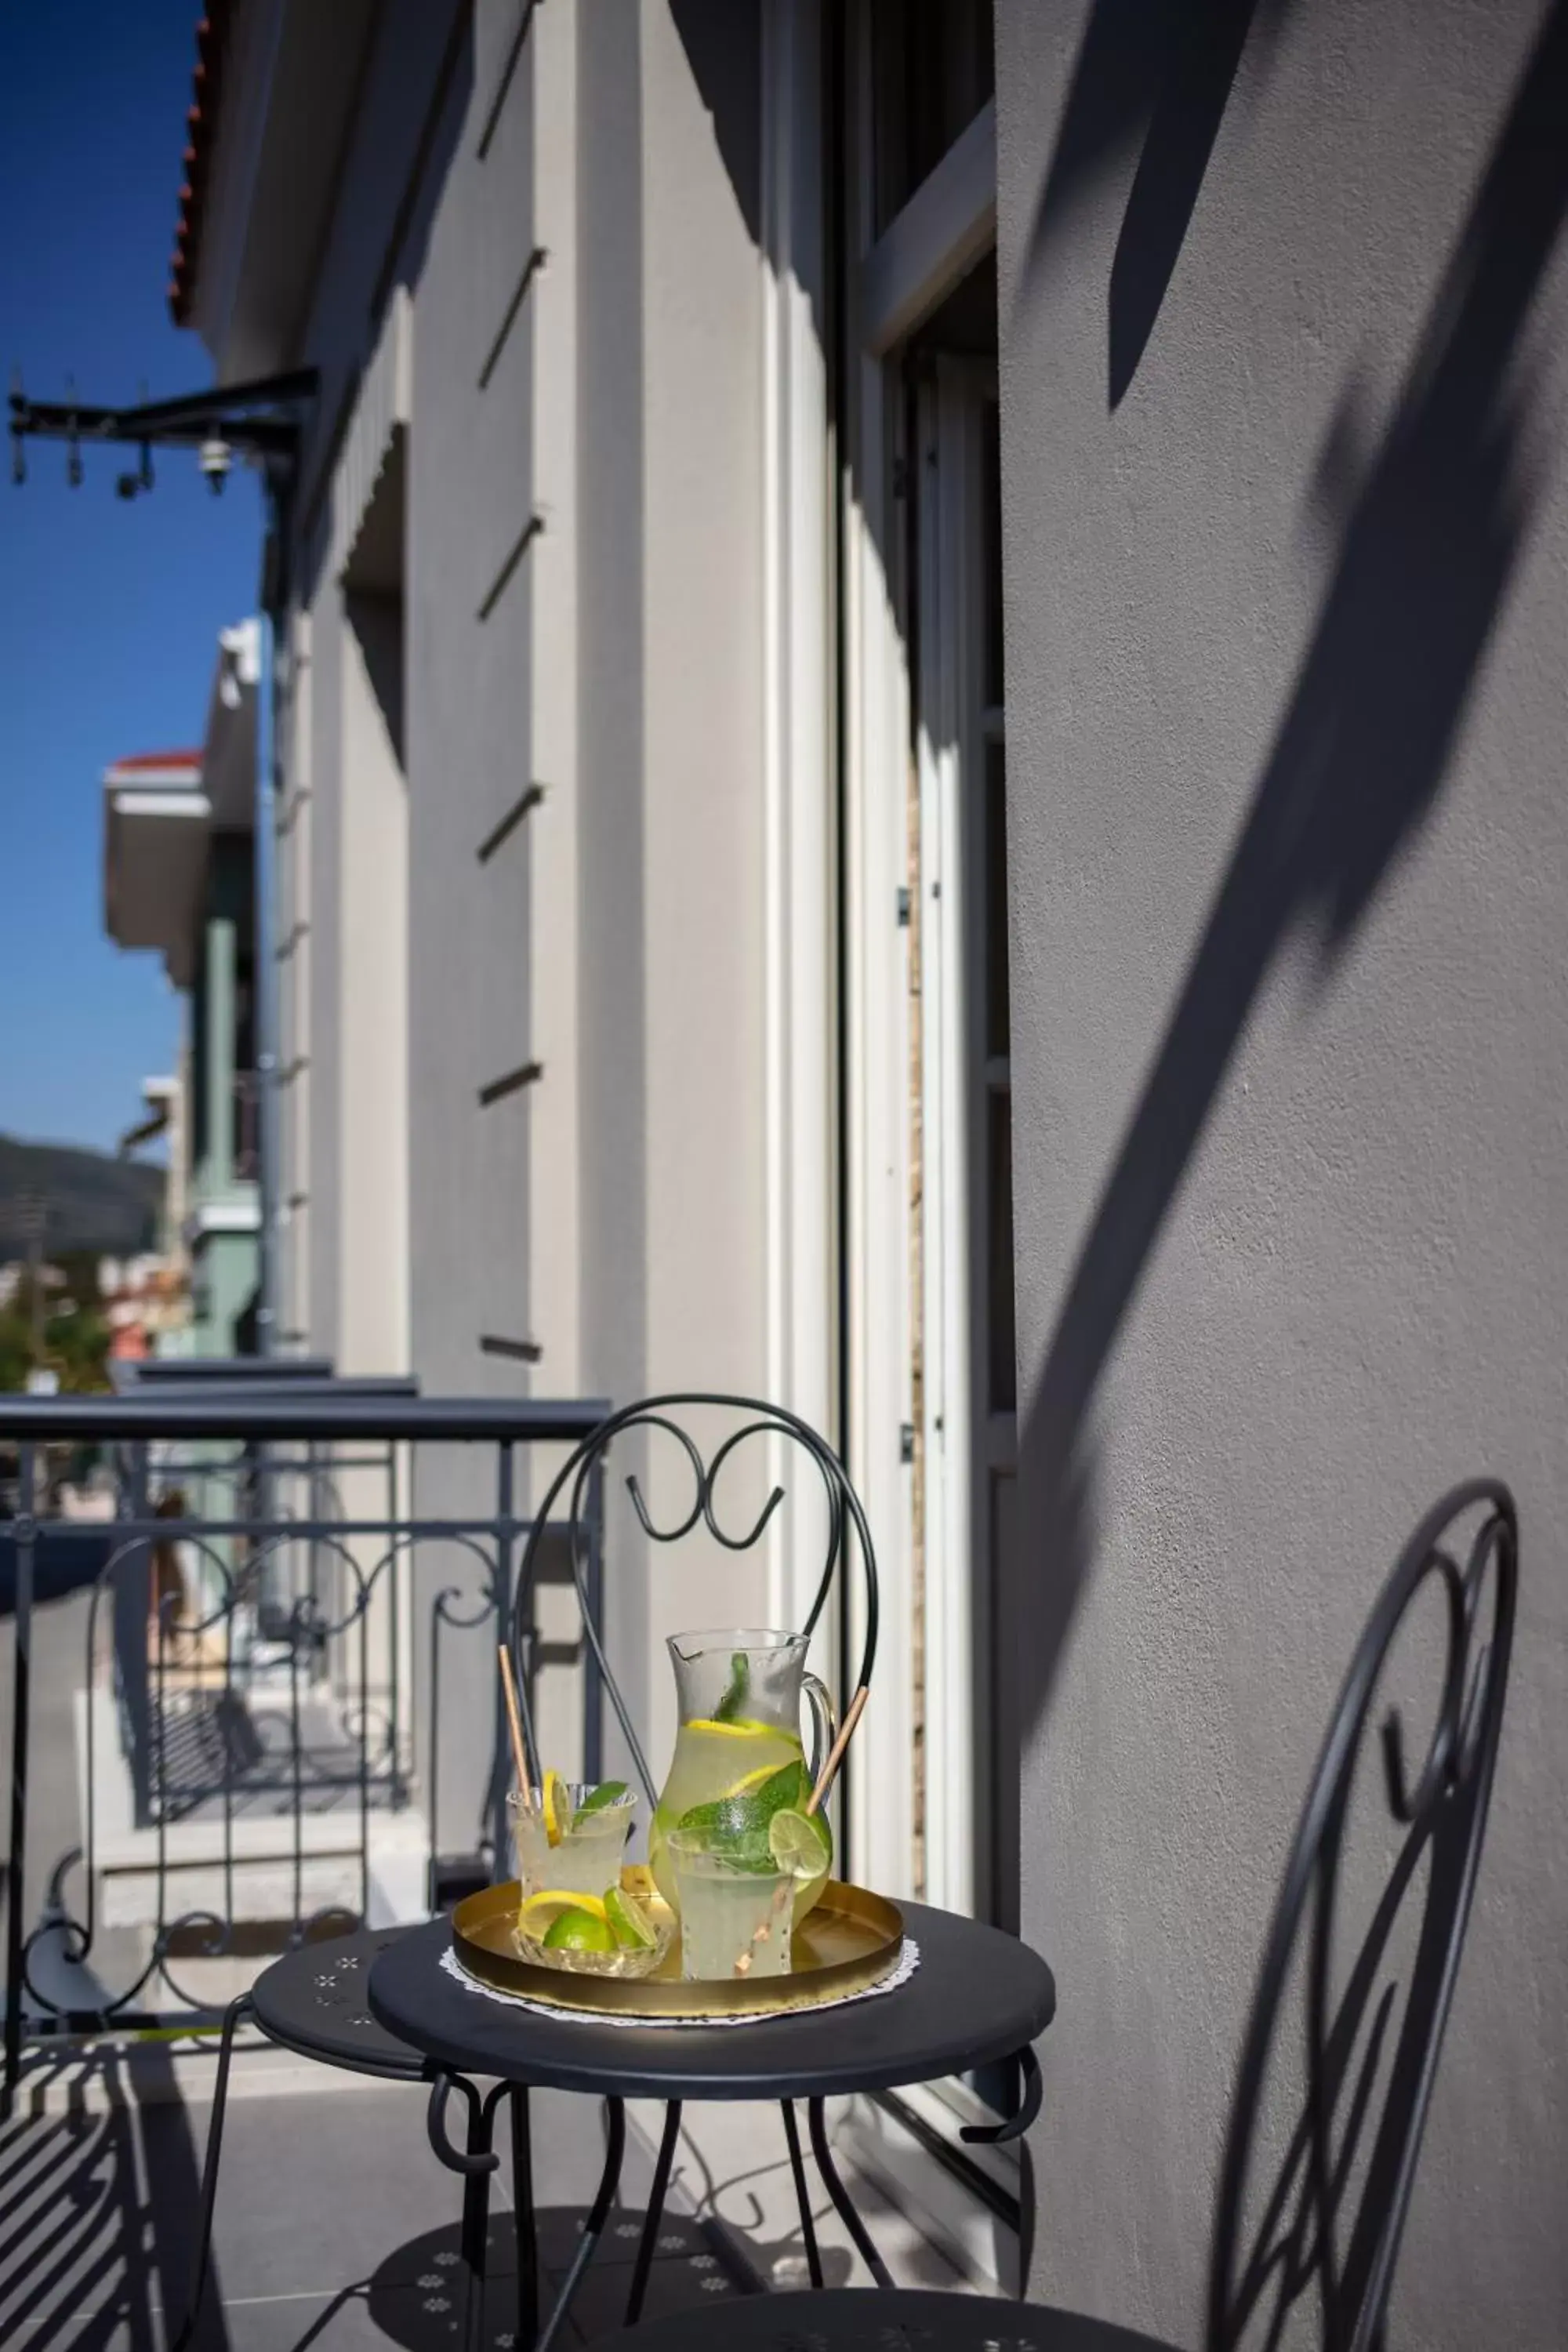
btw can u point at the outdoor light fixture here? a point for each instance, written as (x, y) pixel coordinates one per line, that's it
(261, 422)
(214, 459)
(131, 486)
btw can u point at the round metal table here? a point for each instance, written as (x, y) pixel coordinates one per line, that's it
(977, 1998)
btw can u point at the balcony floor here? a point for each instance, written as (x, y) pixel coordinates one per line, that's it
(336, 2228)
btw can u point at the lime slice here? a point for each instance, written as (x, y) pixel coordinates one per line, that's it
(578, 1930)
(799, 1844)
(541, 1912)
(609, 1792)
(557, 1809)
(629, 1923)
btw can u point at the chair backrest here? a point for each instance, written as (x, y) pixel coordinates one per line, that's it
(1332, 2217)
(754, 1423)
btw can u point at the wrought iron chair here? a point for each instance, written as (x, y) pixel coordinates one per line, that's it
(1332, 2218)
(847, 1534)
(313, 2002)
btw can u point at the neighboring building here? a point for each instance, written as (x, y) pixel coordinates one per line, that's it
(695, 839)
(179, 877)
(146, 1305)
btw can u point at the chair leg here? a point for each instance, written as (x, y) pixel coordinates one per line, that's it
(236, 2010)
(840, 2196)
(802, 2194)
(522, 2218)
(605, 2196)
(651, 2225)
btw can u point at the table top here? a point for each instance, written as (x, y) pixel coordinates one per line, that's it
(978, 1996)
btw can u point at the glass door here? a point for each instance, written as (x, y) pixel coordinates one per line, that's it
(962, 1138)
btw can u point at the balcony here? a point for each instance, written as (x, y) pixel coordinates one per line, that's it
(258, 1707)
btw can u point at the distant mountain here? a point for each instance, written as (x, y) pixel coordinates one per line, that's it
(91, 1202)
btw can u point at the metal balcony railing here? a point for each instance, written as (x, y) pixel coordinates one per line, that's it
(286, 1673)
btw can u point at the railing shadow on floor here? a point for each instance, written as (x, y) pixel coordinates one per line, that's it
(92, 2237)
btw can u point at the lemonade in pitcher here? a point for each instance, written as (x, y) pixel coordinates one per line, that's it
(739, 1773)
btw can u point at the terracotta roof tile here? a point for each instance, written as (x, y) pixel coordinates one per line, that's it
(141, 759)
(213, 31)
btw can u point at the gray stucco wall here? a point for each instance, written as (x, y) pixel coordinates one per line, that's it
(1286, 705)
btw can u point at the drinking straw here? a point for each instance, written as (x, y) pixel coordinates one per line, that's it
(835, 1753)
(519, 1746)
(781, 1896)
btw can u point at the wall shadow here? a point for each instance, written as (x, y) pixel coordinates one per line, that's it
(1154, 75)
(1431, 521)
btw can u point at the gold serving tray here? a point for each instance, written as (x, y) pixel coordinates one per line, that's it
(849, 1939)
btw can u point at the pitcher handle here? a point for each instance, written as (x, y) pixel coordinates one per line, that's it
(824, 1723)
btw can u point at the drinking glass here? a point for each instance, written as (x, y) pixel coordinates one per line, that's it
(587, 1858)
(735, 1918)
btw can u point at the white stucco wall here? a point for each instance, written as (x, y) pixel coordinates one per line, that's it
(563, 229)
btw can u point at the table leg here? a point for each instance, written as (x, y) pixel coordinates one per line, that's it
(477, 2208)
(840, 2196)
(802, 2194)
(655, 2217)
(476, 2162)
(605, 2196)
(522, 2216)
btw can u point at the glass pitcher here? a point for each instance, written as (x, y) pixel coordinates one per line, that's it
(738, 1696)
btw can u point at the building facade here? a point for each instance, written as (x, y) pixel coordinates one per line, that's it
(857, 567)
(179, 877)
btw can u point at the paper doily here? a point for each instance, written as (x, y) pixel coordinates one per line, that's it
(901, 1972)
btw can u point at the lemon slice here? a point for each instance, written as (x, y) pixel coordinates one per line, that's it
(557, 1808)
(629, 1923)
(799, 1844)
(541, 1912)
(637, 1879)
(744, 1729)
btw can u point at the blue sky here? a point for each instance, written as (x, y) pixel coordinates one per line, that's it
(108, 611)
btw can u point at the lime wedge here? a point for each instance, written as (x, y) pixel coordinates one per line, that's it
(578, 1930)
(799, 1844)
(609, 1792)
(629, 1923)
(541, 1912)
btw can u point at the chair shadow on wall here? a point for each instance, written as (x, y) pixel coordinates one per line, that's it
(1430, 514)
(1159, 72)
